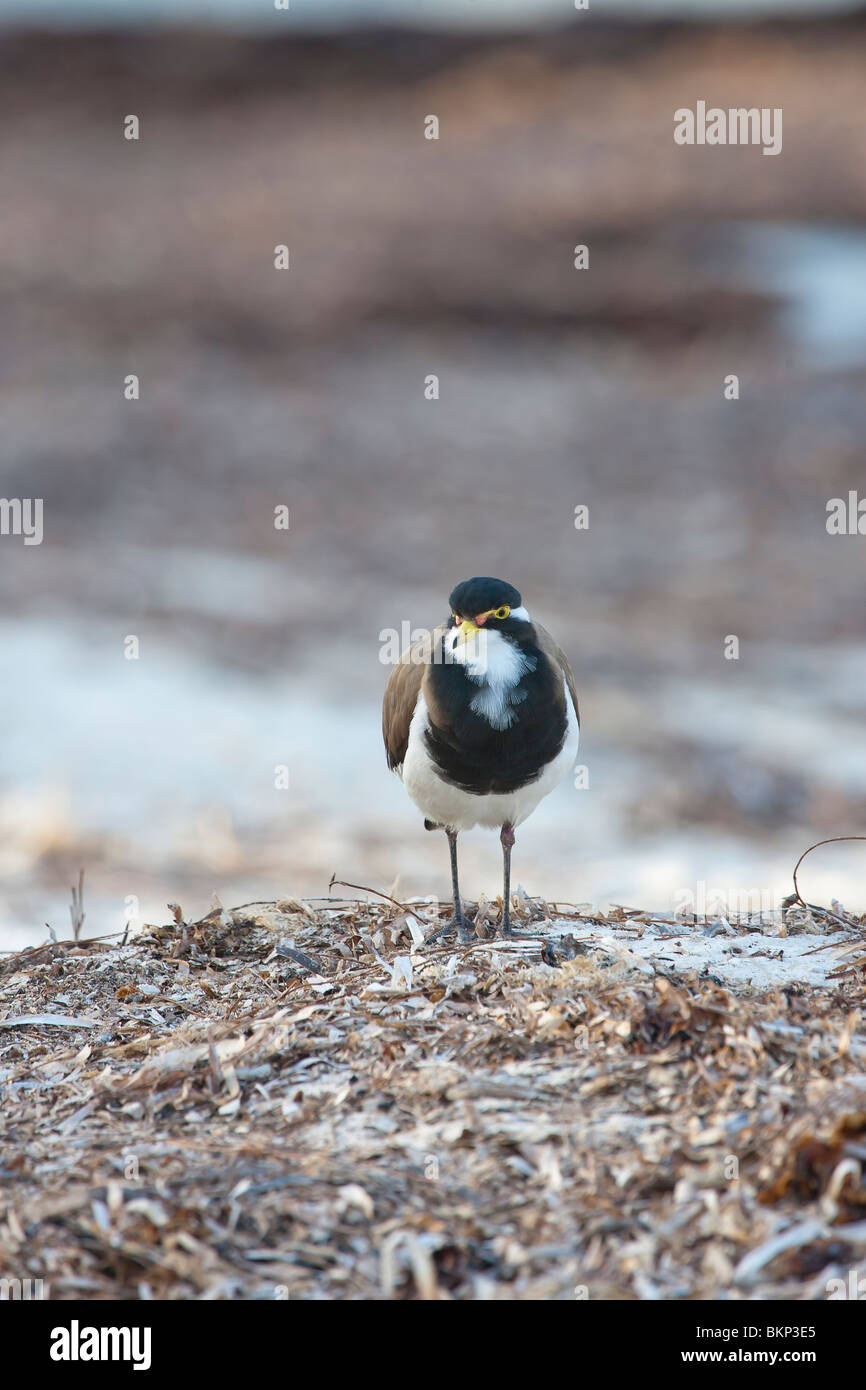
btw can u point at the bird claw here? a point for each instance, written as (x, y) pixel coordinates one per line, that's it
(458, 924)
(507, 932)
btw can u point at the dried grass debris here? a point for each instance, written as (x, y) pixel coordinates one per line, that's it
(302, 1099)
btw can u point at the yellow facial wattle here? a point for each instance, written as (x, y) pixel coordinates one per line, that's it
(468, 628)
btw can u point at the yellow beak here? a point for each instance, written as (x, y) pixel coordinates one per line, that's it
(467, 629)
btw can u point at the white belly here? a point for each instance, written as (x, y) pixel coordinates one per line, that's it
(460, 810)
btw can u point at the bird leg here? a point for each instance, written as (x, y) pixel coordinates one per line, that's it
(506, 836)
(465, 927)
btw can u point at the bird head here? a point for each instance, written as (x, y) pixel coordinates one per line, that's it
(485, 604)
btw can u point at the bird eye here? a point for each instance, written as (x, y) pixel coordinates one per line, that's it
(502, 612)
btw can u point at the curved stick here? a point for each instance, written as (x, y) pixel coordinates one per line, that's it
(834, 839)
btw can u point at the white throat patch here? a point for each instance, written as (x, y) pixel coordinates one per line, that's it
(496, 666)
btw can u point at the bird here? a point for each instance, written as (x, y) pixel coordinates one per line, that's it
(480, 720)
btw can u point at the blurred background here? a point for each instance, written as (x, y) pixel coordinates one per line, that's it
(305, 388)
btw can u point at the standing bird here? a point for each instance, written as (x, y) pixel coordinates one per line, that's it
(480, 720)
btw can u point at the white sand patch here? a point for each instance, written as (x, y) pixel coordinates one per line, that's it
(755, 957)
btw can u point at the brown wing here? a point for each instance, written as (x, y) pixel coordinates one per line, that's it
(557, 658)
(401, 697)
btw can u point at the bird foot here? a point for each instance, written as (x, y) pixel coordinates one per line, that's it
(459, 924)
(509, 934)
